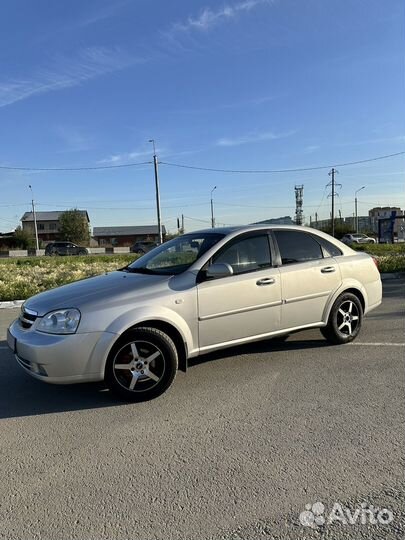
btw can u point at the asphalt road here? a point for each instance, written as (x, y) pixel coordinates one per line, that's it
(235, 450)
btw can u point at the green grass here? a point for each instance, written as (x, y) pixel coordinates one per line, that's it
(381, 249)
(24, 277)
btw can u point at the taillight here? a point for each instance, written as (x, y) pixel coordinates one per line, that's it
(376, 263)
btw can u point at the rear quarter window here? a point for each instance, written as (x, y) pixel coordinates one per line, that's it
(329, 247)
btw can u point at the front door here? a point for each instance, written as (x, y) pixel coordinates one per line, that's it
(245, 304)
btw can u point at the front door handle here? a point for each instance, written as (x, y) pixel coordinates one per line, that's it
(328, 269)
(265, 281)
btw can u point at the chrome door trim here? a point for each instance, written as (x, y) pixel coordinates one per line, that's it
(306, 297)
(240, 310)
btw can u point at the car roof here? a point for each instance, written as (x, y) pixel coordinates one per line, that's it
(247, 228)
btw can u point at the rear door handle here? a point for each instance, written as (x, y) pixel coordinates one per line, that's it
(328, 269)
(265, 281)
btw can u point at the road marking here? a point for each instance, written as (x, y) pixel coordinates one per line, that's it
(380, 344)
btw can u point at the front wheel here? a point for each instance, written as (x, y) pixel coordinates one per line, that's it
(345, 320)
(141, 365)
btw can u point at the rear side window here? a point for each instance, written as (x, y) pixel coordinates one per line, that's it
(295, 247)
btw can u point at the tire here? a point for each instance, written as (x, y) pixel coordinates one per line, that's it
(82, 252)
(140, 252)
(144, 378)
(345, 320)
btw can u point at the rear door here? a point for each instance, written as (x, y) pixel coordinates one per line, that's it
(309, 276)
(245, 304)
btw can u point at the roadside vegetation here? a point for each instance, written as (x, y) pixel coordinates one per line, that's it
(391, 257)
(23, 277)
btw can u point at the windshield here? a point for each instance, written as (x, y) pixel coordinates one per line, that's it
(175, 256)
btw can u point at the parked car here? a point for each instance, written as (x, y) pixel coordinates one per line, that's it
(143, 247)
(197, 293)
(65, 248)
(356, 238)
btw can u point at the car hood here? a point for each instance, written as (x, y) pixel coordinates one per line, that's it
(96, 291)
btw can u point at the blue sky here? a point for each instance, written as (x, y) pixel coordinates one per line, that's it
(240, 84)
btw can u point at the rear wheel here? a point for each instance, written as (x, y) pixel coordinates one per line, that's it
(345, 319)
(141, 365)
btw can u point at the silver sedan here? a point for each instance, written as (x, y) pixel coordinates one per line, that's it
(135, 327)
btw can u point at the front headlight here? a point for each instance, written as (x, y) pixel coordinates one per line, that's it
(61, 321)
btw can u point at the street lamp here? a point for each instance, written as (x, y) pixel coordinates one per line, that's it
(155, 163)
(355, 208)
(35, 218)
(212, 208)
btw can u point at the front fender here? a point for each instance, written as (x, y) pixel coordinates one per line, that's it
(139, 314)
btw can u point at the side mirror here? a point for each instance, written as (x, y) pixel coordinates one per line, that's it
(219, 270)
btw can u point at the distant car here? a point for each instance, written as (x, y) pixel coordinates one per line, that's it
(143, 247)
(197, 293)
(65, 248)
(357, 239)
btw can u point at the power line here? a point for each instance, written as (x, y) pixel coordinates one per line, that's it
(57, 169)
(269, 171)
(198, 168)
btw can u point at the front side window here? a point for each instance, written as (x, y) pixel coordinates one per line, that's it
(246, 255)
(175, 256)
(296, 246)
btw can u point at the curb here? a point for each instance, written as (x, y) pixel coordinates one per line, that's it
(11, 304)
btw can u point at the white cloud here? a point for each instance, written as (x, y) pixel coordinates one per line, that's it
(211, 17)
(65, 72)
(73, 139)
(311, 148)
(252, 138)
(128, 157)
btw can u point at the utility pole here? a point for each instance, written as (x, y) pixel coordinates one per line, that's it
(333, 194)
(316, 218)
(35, 219)
(355, 208)
(155, 164)
(212, 208)
(182, 223)
(299, 196)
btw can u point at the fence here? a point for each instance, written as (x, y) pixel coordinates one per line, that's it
(41, 252)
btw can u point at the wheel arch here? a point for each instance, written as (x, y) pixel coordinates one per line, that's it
(169, 329)
(355, 289)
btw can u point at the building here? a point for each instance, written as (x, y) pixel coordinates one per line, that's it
(126, 236)
(347, 224)
(385, 212)
(48, 224)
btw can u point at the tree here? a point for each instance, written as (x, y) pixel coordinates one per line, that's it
(23, 239)
(74, 227)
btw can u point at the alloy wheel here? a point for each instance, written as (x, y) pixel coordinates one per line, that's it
(139, 366)
(347, 318)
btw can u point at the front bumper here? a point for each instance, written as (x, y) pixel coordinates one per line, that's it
(60, 359)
